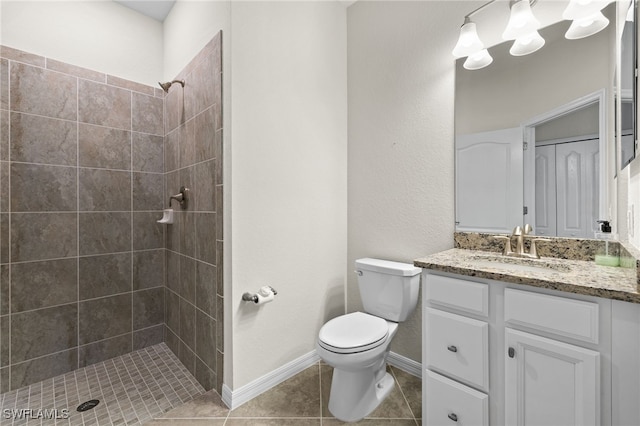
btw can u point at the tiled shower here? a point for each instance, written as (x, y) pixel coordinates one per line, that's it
(87, 164)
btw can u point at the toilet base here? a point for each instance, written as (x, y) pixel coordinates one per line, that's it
(355, 394)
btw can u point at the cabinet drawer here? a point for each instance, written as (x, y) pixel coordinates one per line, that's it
(566, 317)
(458, 346)
(468, 296)
(449, 403)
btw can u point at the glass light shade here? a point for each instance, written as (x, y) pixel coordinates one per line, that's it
(478, 60)
(585, 27)
(468, 42)
(579, 9)
(521, 21)
(527, 44)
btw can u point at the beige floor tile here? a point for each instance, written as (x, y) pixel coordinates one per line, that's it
(411, 387)
(371, 422)
(273, 422)
(186, 422)
(206, 405)
(298, 396)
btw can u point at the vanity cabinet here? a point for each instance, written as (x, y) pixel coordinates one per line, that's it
(496, 353)
(456, 352)
(548, 382)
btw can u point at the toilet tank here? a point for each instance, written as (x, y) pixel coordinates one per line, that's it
(388, 289)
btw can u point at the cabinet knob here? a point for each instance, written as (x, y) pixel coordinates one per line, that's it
(512, 353)
(453, 417)
(452, 348)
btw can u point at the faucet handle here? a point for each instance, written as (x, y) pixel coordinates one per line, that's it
(507, 250)
(533, 251)
(527, 229)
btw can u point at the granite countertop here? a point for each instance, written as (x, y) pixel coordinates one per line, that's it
(572, 276)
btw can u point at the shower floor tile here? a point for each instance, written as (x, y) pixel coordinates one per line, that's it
(132, 389)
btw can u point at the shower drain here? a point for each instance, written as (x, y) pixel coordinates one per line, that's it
(88, 405)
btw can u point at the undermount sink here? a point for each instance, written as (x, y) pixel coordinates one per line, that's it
(514, 264)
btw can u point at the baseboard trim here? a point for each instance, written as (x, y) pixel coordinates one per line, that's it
(405, 364)
(235, 398)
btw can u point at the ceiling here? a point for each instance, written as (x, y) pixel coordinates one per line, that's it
(156, 9)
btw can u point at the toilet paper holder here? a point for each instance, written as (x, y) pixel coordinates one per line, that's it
(263, 292)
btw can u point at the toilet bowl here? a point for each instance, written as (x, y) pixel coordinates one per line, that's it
(360, 381)
(357, 344)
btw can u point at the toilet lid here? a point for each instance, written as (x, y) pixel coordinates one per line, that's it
(353, 332)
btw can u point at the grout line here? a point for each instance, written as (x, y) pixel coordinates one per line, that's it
(393, 373)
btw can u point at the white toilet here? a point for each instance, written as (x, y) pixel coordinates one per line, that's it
(356, 344)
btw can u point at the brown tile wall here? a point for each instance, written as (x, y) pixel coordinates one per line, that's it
(81, 186)
(193, 158)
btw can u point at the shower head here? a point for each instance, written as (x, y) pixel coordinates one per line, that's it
(165, 86)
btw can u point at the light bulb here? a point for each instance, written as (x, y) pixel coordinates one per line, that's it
(527, 44)
(579, 9)
(521, 21)
(468, 42)
(478, 60)
(587, 26)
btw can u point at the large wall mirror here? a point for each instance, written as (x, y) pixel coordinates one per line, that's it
(628, 89)
(536, 135)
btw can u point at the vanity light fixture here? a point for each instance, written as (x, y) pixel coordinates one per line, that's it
(478, 60)
(578, 9)
(527, 44)
(521, 20)
(470, 45)
(586, 16)
(585, 27)
(469, 42)
(523, 29)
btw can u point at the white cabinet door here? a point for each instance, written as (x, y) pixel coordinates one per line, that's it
(545, 190)
(577, 173)
(489, 181)
(549, 382)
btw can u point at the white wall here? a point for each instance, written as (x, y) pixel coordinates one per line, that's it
(289, 159)
(189, 27)
(100, 35)
(401, 181)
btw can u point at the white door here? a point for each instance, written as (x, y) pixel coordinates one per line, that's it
(549, 382)
(577, 170)
(489, 181)
(545, 205)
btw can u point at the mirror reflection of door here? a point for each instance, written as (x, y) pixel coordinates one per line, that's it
(567, 175)
(627, 140)
(489, 185)
(567, 188)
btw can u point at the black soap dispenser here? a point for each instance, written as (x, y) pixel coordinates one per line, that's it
(605, 226)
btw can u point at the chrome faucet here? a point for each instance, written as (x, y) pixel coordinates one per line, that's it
(520, 234)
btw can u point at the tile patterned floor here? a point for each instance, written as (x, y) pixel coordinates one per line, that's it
(132, 389)
(299, 401)
(152, 387)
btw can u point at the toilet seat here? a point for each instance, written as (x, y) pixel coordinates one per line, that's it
(352, 333)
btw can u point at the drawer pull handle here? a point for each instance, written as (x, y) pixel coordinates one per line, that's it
(452, 348)
(452, 417)
(512, 353)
